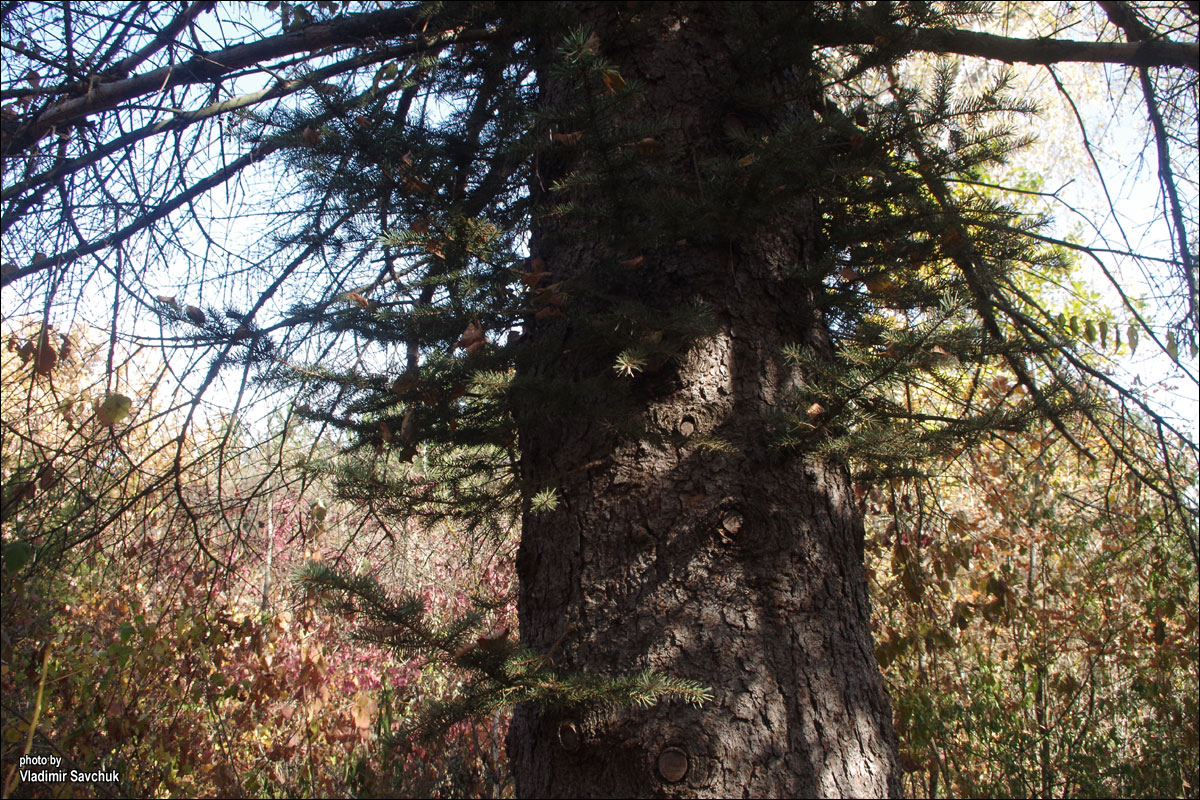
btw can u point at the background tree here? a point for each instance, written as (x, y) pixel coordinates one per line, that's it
(747, 231)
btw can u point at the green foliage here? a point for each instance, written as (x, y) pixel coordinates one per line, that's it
(1035, 618)
(164, 668)
(500, 673)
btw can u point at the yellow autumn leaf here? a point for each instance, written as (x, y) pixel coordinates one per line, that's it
(114, 409)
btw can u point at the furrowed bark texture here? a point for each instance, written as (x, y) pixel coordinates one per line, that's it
(739, 569)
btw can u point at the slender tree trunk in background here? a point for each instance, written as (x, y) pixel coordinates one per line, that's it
(740, 569)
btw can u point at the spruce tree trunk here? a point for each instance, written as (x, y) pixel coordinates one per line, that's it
(739, 567)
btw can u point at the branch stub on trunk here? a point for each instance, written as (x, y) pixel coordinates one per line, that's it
(672, 764)
(568, 736)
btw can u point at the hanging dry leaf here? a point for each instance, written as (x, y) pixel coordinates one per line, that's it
(537, 271)
(406, 382)
(848, 274)
(815, 410)
(613, 82)
(385, 432)
(357, 299)
(48, 478)
(633, 263)
(549, 311)
(25, 490)
(566, 138)
(472, 338)
(646, 147)
(415, 184)
(494, 639)
(408, 429)
(942, 356)
(46, 357)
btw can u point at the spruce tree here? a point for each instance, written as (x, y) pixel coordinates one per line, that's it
(638, 278)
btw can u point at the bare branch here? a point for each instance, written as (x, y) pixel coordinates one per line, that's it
(1121, 15)
(144, 221)
(1149, 53)
(164, 38)
(211, 67)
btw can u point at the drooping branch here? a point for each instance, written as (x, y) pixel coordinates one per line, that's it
(280, 88)
(153, 215)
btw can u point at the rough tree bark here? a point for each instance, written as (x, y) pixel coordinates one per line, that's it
(739, 569)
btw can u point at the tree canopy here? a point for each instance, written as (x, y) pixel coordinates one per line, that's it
(142, 142)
